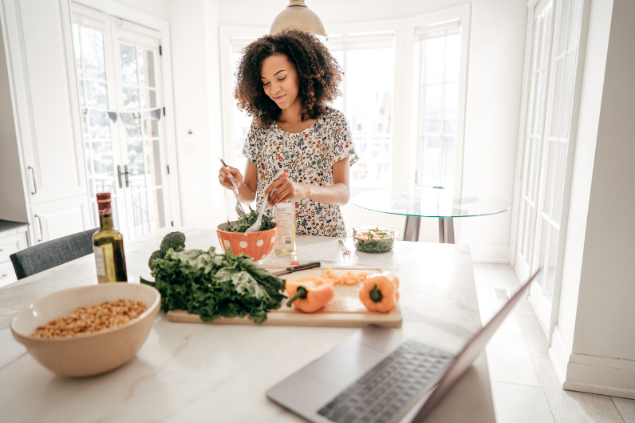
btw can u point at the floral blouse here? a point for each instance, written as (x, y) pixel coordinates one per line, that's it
(307, 157)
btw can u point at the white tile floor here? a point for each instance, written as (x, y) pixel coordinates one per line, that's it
(524, 384)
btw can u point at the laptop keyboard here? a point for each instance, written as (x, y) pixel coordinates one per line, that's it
(384, 390)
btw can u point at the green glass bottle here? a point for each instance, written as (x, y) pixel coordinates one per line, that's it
(108, 245)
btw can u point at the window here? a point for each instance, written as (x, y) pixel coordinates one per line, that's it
(401, 78)
(440, 64)
(236, 123)
(241, 120)
(367, 101)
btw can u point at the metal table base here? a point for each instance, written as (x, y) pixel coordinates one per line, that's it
(413, 225)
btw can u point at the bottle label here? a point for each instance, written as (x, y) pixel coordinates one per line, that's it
(102, 277)
(285, 216)
(105, 262)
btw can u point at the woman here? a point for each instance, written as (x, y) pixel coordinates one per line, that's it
(284, 81)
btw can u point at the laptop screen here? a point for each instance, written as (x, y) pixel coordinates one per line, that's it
(469, 353)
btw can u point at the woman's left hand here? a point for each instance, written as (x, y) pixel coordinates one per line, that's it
(284, 189)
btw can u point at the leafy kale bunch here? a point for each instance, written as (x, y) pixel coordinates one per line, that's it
(173, 240)
(216, 285)
(244, 222)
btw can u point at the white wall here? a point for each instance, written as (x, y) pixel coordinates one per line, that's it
(194, 43)
(262, 12)
(606, 315)
(497, 48)
(497, 52)
(594, 342)
(156, 8)
(589, 116)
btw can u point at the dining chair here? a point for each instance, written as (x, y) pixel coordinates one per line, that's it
(49, 254)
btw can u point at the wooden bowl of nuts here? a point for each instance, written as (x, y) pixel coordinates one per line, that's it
(89, 330)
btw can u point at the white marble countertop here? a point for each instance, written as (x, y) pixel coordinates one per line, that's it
(195, 372)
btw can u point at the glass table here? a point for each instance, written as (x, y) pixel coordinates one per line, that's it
(444, 204)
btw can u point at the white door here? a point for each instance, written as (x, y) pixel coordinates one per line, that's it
(548, 135)
(120, 88)
(539, 79)
(98, 99)
(556, 140)
(139, 96)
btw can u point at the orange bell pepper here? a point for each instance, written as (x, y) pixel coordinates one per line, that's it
(309, 294)
(380, 292)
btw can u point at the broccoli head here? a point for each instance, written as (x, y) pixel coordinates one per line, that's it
(173, 240)
(155, 255)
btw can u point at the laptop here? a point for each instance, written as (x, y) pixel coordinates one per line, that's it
(375, 376)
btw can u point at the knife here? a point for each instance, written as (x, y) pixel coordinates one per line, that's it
(298, 268)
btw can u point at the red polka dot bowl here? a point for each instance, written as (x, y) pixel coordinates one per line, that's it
(256, 245)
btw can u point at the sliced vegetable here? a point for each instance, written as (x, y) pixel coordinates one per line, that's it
(348, 278)
(380, 292)
(309, 293)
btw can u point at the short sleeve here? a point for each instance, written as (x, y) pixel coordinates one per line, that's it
(342, 146)
(253, 144)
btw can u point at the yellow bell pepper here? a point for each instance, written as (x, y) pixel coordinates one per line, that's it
(380, 292)
(309, 294)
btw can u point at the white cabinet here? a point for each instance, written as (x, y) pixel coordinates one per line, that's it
(53, 147)
(56, 219)
(39, 56)
(11, 241)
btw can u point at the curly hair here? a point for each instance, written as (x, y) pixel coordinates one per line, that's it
(318, 72)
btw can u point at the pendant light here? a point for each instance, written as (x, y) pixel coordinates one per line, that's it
(299, 16)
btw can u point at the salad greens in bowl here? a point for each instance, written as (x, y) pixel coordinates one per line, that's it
(379, 239)
(256, 245)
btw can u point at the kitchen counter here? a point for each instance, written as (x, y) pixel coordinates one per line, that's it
(220, 373)
(7, 225)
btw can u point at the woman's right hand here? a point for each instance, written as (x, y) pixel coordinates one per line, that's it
(224, 177)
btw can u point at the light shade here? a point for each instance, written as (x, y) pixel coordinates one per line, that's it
(298, 16)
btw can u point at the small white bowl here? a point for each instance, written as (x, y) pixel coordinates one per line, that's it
(94, 353)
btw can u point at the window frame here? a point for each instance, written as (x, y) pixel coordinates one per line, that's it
(463, 14)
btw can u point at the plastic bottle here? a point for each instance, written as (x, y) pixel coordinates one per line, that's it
(285, 217)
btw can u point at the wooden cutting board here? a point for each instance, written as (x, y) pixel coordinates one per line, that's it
(345, 310)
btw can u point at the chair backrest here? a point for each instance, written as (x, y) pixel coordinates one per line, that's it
(49, 254)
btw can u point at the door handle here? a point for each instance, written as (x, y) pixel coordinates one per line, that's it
(126, 173)
(39, 219)
(34, 182)
(119, 176)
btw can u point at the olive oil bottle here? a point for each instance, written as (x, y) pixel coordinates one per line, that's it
(108, 245)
